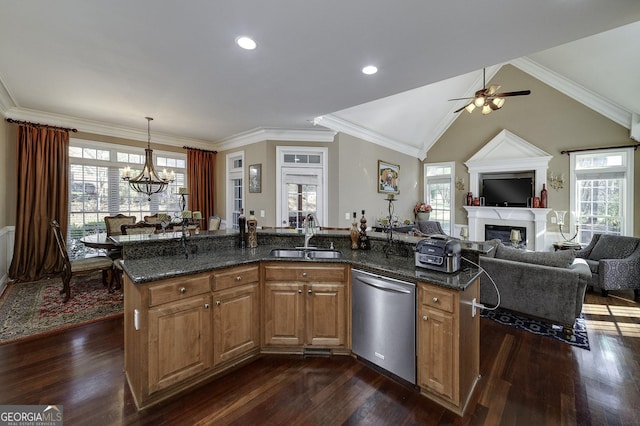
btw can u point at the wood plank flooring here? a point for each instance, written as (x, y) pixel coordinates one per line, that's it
(526, 380)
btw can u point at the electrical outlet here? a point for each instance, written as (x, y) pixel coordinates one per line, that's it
(346, 216)
(261, 213)
(554, 219)
(473, 308)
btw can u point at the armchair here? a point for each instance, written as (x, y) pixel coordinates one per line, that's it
(614, 262)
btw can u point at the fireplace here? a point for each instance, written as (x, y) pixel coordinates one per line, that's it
(502, 233)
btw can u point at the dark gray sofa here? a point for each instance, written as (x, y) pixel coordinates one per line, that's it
(545, 285)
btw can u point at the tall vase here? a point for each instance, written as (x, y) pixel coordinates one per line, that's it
(543, 196)
(423, 216)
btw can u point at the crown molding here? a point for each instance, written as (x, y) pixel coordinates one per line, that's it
(596, 102)
(339, 125)
(104, 129)
(264, 134)
(6, 100)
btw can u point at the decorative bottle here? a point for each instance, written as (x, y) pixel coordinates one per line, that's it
(354, 233)
(543, 196)
(363, 240)
(252, 227)
(469, 198)
(242, 226)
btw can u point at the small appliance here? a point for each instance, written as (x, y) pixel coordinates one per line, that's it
(439, 252)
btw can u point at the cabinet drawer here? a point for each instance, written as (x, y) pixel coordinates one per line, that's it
(177, 289)
(436, 298)
(305, 273)
(234, 277)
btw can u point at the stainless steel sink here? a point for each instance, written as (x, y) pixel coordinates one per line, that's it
(286, 253)
(325, 254)
(306, 254)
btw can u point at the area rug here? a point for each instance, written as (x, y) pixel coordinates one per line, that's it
(29, 309)
(579, 339)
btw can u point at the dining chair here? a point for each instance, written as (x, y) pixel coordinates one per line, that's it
(214, 223)
(138, 228)
(114, 223)
(84, 266)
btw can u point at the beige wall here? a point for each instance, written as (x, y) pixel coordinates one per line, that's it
(8, 176)
(547, 119)
(352, 179)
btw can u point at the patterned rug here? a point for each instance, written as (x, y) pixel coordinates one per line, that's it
(579, 339)
(28, 309)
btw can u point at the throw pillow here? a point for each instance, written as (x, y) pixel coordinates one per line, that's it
(558, 259)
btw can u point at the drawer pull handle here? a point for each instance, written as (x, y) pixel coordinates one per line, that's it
(424, 318)
(238, 278)
(206, 306)
(304, 274)
(218, 302)
(435, 300)
(309, 292)
(299, 291)
(183, 290)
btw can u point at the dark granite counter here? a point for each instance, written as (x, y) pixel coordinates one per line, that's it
(156, 257)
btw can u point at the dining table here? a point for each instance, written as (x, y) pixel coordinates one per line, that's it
(99, 241)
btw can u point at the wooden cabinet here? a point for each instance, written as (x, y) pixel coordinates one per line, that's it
(182, 330)
(168, 338)
(179, 341)
(448, 344)
(305, 305)
(236, 314)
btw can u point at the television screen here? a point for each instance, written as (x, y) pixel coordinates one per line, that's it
(509, 192)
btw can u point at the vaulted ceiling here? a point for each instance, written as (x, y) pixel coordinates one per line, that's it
(102, 67)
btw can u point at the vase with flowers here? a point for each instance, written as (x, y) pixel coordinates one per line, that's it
(422, 211)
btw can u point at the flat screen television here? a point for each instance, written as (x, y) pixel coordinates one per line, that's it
(507, 192)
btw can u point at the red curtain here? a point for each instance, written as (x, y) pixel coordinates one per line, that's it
(43, 194)
(201, 166)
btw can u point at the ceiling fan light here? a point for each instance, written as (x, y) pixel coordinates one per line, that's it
(479, 101)
(486, 109)
(498, 102)
(470, 107)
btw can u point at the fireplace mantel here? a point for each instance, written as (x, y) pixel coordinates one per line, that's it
(535, 220)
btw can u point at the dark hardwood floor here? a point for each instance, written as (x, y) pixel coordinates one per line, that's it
(526, 380)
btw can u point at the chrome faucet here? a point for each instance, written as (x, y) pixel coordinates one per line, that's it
(310, 227)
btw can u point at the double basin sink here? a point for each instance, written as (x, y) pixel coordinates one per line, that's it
(302, 253)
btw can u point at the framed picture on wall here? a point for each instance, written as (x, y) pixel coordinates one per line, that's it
(388, 177)
(255, 178)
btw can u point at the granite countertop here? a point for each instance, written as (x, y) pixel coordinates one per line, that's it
(146, 269)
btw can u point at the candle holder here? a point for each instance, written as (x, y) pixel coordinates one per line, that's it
(393, 246)
(560, 214)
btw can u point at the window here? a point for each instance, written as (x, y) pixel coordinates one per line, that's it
(601, 193)
(301, 185)
(438, 192)
(96, 189)
(235, 188)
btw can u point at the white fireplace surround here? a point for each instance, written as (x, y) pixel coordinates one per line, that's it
(508, 153)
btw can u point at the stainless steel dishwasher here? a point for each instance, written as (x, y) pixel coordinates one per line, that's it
(384, 322)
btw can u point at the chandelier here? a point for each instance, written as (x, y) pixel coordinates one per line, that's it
(148, 182)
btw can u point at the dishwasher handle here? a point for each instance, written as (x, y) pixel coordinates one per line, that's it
(382, 285)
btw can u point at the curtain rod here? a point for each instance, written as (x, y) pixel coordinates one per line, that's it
(569, 151)
(29, 123)
(199, 149)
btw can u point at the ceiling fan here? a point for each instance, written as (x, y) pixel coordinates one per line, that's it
(487, 98)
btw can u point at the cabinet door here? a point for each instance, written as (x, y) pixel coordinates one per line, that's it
(283, 314)
(179, 341)
(326, 316)
(236, 322)
(436, 358)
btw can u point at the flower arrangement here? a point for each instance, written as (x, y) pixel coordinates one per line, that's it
(422, 208)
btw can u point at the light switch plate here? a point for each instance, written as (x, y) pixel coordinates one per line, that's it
(346, 216)
(261, 213)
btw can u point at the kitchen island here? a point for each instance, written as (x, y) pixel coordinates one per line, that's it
(201, 307)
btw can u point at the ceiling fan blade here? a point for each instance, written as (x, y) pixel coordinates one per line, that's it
(460, 109)
(518, 93)
(491, 90)
(460, 99)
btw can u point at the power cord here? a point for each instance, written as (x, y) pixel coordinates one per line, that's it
(475, 304)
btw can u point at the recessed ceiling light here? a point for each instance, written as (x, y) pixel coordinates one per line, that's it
(246, 42)
(369, 70)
